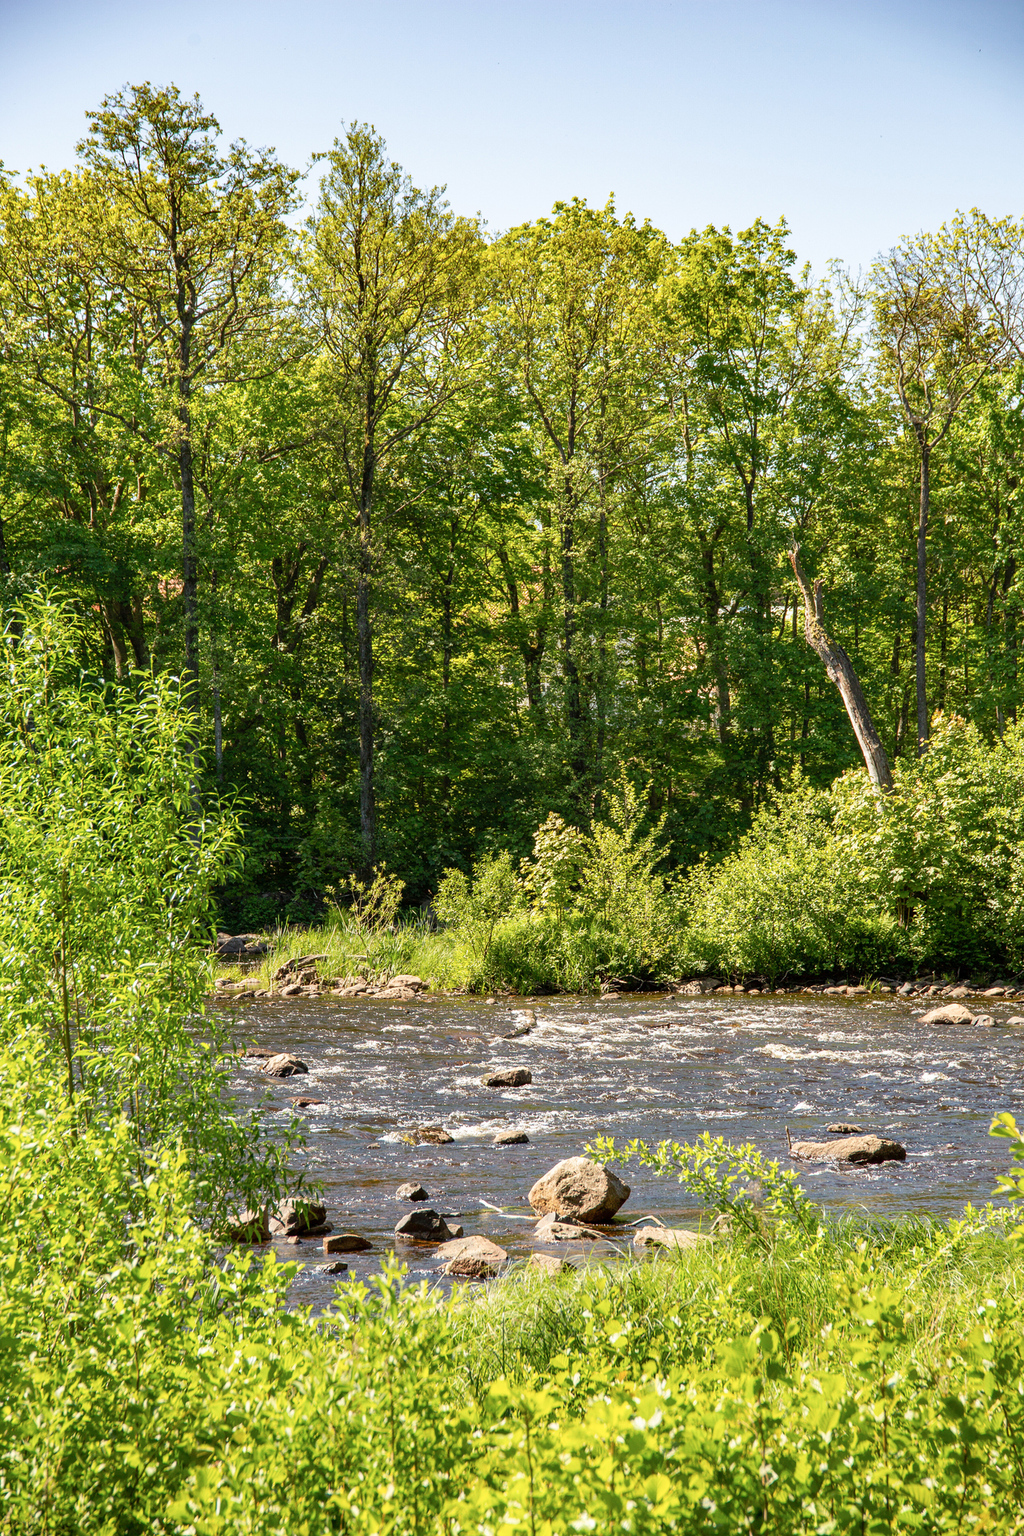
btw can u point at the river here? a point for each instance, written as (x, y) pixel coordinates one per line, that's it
(654, 1066)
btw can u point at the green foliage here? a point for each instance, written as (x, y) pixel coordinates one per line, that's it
(941, 852)
(107, 862)
(752, 1193)
(791, 899)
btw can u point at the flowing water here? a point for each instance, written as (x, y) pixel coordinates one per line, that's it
(651, 1066)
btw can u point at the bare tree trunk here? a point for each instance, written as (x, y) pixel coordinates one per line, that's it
(840, 671)
(922, 601)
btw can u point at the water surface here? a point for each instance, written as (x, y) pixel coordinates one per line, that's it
(650, 1066)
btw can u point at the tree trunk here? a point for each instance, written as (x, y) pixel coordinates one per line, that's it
(840, 671)
(570, 668)
(364, 637)
(922, 602)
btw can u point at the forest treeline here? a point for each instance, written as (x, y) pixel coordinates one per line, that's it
(447, 530)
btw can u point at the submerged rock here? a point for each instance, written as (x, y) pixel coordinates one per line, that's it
(429, 1135)
(855, 1150)
(550, 1229)
(337, 1268)
(840, 1128)
(578, 1187)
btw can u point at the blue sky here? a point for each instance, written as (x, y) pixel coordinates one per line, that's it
(859, 122)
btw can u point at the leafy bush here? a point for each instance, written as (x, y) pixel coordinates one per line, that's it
(941, 853)
(791, 899)
(107, 862)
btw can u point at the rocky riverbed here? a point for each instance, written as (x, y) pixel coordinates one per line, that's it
(389, 1081)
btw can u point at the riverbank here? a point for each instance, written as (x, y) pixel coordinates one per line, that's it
(312, 962)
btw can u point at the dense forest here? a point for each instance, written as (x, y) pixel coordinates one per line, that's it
(447, 529)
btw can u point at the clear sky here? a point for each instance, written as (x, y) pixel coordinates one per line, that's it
(859, 122)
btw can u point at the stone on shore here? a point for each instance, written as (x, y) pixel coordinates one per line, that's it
(550, 1264)
(950, 1013)
(580, 1188)
(508, 1077)
(669, 1237)
(856, 1150)
(551, 1230)
(426, 1226)
(346, 1242)
(240, 946)
(473, 1258)
(411, 1191)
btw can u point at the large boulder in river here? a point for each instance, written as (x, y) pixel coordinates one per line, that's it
(284, 1065)
(852, 1149)
(950, 1013)
(579, 1187)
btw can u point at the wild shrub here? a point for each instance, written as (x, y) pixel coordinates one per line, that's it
(940, 854)
(791, 899)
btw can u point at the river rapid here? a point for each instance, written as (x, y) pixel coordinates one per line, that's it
(654, 1066)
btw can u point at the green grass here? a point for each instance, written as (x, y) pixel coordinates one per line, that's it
(678, 1305)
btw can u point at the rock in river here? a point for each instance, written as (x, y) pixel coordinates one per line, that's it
(508, 1077)
(426, 1225)
(550, 1264)
(249, 1227)
(411, 1191)
(347, 1242)
(284, 1065)
(840, 1128)
(474, 1258)
(511, 1139)
(578, 1187)
(669, 1237)
(431, 1135)
(550, 1230)
(295, 1217)
(950, 1013)
(852, 1149)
